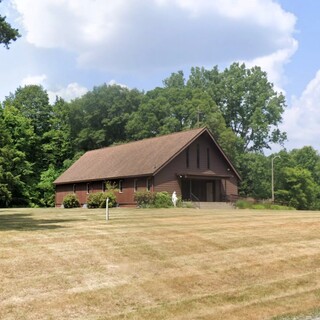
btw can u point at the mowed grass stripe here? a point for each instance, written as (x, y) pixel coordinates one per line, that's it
(158, 264)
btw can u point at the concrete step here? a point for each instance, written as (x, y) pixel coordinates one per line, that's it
(216, 205)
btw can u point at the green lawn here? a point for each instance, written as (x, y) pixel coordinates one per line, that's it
(158, 264)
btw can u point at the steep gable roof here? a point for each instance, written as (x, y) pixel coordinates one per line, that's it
(139, 158)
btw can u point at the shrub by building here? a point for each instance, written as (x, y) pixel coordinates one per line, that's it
(71, 201)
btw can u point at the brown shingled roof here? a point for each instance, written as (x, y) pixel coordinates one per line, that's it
(144, 157)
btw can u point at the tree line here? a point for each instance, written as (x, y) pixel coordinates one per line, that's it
(239, 105)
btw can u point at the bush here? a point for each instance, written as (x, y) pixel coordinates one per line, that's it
(182, 204)
(112, 199)
(259, 206)
(98, 199)
(93, 200)
(147, 199)
(144, 199)
(243, 204)
(162, 200)
(71, 201)
(281, 207)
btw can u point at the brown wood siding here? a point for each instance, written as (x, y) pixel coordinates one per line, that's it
(232, 186)
(167, 179)
(218, 165)
(124, 197)
(127, 195)
(63, 190)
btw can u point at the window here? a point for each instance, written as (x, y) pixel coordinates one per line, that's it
(74, 188)
(149, 184)
(198, 155)
(187, 157)
(103, 186)
(88, 187)
(120, 186)
(135, 185)
(208, 158)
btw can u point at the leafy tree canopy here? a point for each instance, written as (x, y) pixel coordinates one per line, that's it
(7, 33)
(100, 116)
(239, 105)
(248, 102)
(33, 102)
(298, 189)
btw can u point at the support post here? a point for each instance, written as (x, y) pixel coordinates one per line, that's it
(107, 209)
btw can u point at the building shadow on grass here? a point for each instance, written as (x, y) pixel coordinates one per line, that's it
(26, 222)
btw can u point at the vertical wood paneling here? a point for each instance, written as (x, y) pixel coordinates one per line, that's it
(168, 180)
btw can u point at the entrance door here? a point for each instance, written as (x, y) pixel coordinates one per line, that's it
(186, 189)
(193, 189)
(202, 190)
(209, 187)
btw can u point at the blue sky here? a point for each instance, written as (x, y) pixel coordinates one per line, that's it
(305, 62)
(69, 46)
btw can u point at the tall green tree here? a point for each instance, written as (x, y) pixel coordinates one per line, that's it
(295, 177)
(33, 102)
(179, 106)
(27, 114)
(20, 128)
(17, 138)
(308, 158)
(256, 174)
(100, 116)
(300, 161)
(250, 105)
(5, 142)
(298, 189)
(58, 146)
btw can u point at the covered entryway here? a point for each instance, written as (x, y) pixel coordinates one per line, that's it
(203, 189)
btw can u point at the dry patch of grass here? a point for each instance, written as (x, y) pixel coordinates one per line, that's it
(158, 264)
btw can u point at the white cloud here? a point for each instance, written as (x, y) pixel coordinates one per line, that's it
(301, 121)
(36, 79)
(140, 35)
(72, 91)
(114, 82)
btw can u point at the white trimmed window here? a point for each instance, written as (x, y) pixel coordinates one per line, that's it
(135, 185)
(120, 186)
(149, 184)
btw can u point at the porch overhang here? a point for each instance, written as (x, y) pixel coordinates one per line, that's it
(202, 176)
